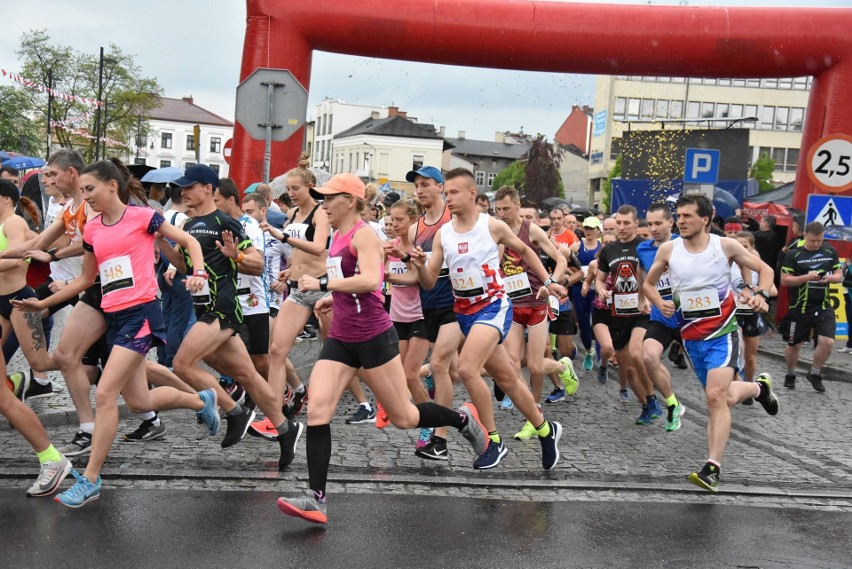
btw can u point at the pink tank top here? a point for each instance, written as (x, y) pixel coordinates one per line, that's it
(356, 317)
(405, 300)
(125, 254)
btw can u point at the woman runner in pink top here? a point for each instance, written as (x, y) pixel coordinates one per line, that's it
(362, 339)
(119, 246)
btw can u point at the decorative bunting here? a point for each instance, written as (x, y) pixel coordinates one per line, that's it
(58, 94)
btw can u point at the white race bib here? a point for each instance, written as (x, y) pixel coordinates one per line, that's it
(202, 297)
(703, 303)
(334, 268)
(467, 284)
(116, 274)
(397, 268)
(445, 270)
(664, 285)
(553, 302)
(517, 285)
(625, 303)
(243, 287)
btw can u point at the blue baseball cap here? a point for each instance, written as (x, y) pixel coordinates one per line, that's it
(426, 172)
(252, 188)
(198, 174)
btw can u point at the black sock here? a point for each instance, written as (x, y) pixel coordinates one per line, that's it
(763, 391)
(235, 411)
(318, 450)
(433, 415)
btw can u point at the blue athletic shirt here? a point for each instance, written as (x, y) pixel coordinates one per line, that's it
(647, 252)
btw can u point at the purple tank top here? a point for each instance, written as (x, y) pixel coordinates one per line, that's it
(356, 317)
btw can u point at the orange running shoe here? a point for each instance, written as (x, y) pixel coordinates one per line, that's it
(263, 429)
(382, 420)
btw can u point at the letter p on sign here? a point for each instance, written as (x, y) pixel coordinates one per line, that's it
(701, 166)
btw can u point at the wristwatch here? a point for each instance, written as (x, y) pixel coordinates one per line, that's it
(200, 273)
(323, 284)
(52, 253)
(763, 293)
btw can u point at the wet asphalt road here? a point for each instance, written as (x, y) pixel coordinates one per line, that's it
(188, 529)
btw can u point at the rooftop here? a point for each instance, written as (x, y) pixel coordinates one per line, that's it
(485, 148)
(185, 110)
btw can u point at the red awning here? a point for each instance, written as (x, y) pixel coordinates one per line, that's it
(758, 210)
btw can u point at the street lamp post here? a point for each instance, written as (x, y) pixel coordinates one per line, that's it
(98, 126)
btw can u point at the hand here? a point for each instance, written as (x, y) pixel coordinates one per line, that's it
(29, 305)
(645, 307)
(56, 286)
(758, 303)
(37, 255)
(308, 283)
(285, 274)
(278, 286)
(542, 293)
(273, 231)
(228, 246)
(393, 251)
(418, 258)
(668, 308)
(194, 284)
(584, 290)
(323, 306)
(169, 276)
(814, 276)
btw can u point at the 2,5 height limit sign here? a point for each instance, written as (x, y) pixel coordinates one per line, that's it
(830, 163)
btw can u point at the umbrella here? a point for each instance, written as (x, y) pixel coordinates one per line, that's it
(139, 170)
(163, 175)
(4, 155)
(23, 162)
(724, 202)
(550, 203)
(585, 211)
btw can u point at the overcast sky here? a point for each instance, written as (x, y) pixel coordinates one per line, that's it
(194, 47)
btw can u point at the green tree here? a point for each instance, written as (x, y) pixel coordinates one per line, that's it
(762, 172)
(127, 94)
(512, 175)
(18, 132)
(606, 186)
(542, 178)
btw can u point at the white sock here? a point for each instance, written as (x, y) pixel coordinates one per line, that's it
(366, 405)
(41, 380)
(87, 427)
(148, 415)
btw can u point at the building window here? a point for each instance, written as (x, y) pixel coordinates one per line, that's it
(724, 82)
(782, 115)
(330, 121)
(707, 110)
(480, 178)
(678, 80)
(792, 159)
(797, 116)
(188, 164)
(661, 110)
(318, 126)
(785, 83)
(620, 108)
(633, 109)
(675, 109)
(739, 82)
(801, 83)
(693, 109)
(215, 144)
(767, 117)
(615, 149)
(769, 83)
(214, 167)
(647, 108)
(491, 177)
(166, 140)
(138, 160)
(778, 156)
(417, 162)
(165, 163)
(190, 142)
(752, 82)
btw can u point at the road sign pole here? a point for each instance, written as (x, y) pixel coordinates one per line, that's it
(270, 112)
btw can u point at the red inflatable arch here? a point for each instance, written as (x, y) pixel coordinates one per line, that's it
(686, 41)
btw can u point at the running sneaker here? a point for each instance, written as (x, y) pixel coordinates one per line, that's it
(790, 381)
(35, 390)
(492, 456)
(209, 414)
(429, 381)
(237, 426)
(569, 377)
(18, 383)
(767, 397)
(845, 350)
(674, 415)
(507, 404)
(527, 432)
(424, 438)
(263, 429)
(306, 507)
(708, 478)
(382, 419)
(297, 404)
(589, 360)
(435, 450)
(309, 333)
(655, 408)
(555, 396)
(550, 446)
(816, 381)
(645, 417)
(147, 431)
(602, 374)
(236, 392)
(201, 431)
(80, 444)
(362, 415)
(624, 396)
(50, 476)
(288, 442)
(474, 431)
(81, 493)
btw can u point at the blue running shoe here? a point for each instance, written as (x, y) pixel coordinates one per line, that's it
(645, 417)
(81, 493)
(555, 396)
(589, 360)
(430, 385)
(602, 374)
(492, 456)
(655, 408)
(550, 446)
(209, 415)
(507, 404)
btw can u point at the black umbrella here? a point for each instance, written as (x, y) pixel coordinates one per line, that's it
(550, 203)
(139, 170)
(585, 211)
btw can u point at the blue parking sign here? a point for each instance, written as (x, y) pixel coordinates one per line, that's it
(701, 166)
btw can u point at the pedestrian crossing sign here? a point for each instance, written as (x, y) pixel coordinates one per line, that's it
(834, 212)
